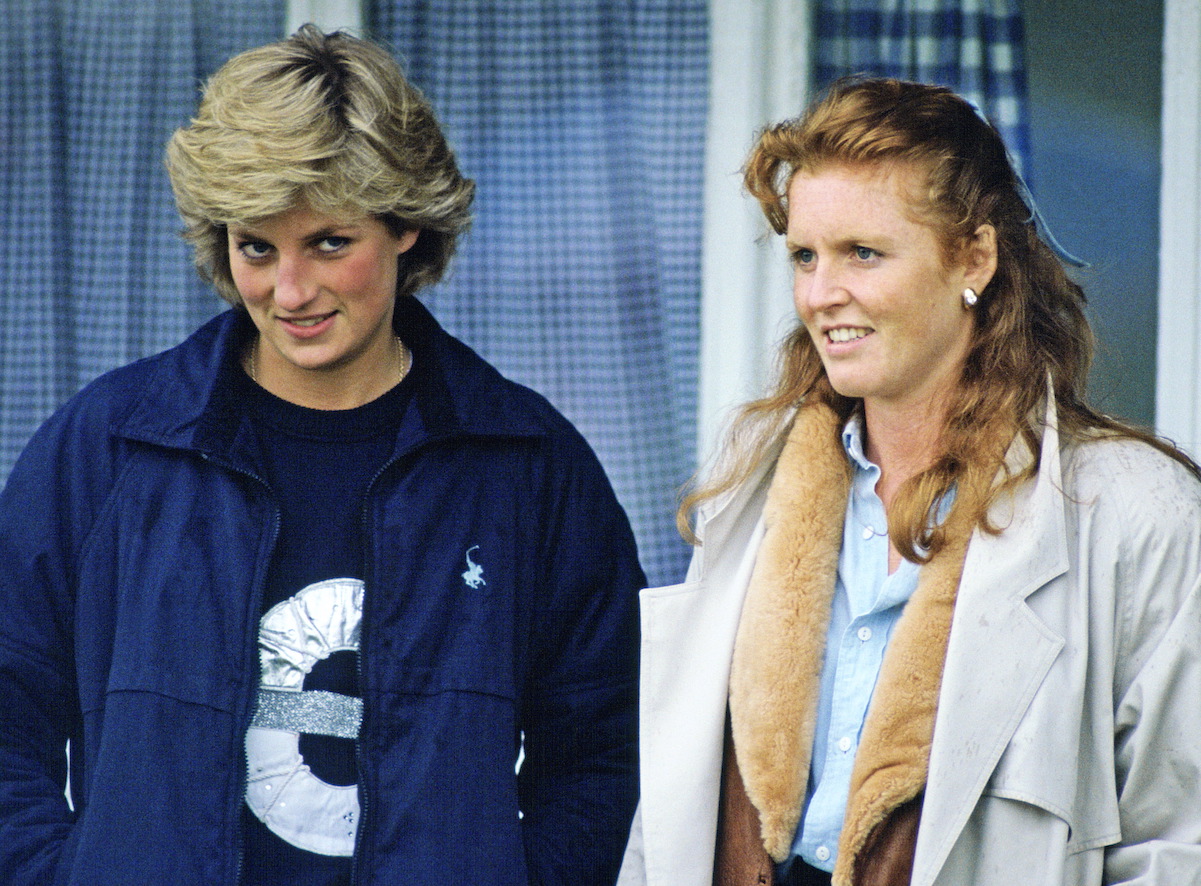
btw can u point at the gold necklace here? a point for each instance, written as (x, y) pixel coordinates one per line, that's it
(404, 356)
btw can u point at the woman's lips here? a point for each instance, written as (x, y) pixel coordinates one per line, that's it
(307, 327)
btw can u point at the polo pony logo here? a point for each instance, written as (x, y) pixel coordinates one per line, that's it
(474, 576)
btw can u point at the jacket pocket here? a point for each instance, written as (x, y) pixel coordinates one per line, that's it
(1052, 763)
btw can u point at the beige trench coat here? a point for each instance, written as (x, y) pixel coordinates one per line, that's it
(1067, 746)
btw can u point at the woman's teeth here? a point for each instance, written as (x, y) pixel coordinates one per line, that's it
(847, 333)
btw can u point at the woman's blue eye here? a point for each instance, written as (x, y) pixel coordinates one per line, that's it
(333, 244)
(253, 249)
(864, 253)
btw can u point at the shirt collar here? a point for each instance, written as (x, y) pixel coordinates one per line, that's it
(867, 472)
(852, 442)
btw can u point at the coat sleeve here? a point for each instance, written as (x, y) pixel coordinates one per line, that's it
(1157, 687)
(578, 780)
(39, 708)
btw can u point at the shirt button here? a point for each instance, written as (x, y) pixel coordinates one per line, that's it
(822, 853)
(868, 532)
(865, 634)
(844, 744)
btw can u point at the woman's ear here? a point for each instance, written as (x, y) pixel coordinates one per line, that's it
(980, 258)
(406, 240)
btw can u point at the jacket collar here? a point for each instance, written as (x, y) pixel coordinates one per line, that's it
(188, 401)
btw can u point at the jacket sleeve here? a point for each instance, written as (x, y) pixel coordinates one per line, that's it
(39, 709)
(1157, 673)
(579, 780)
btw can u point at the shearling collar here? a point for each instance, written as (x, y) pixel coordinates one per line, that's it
(779, 651)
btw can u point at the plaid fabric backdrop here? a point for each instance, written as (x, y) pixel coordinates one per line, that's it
(583, 123)
(93, 273)
(973, 46)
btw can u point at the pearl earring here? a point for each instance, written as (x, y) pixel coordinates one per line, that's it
(970, 298)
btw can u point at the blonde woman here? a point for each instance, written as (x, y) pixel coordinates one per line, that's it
(303, 590)
(942, 622)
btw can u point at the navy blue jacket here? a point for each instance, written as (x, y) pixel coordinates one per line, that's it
(135, 535)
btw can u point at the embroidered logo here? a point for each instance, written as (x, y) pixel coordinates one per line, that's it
(474, 576)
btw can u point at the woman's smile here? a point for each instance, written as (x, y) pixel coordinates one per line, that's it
(841, 334)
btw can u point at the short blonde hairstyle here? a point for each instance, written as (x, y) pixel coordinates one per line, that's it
(324, 120)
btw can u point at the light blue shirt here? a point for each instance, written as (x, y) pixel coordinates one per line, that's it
(867, 603)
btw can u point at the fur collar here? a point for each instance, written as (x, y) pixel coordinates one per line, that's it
(779, 650)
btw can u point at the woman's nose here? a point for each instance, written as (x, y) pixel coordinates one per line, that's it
(294, 284)
(819, 289)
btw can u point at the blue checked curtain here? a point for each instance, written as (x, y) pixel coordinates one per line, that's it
(973, 46)
(582, 122)
(93, 273)
(583, 126)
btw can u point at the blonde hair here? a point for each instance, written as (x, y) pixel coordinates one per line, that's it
(325, 120)
(1029, 322)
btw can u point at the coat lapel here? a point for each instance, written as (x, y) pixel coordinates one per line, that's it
(777, 661)
(998, 654)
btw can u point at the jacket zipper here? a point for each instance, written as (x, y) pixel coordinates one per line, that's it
(368, 579)
(368, 585)
(256, 604)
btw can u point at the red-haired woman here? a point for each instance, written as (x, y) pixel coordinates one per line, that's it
(943, 618)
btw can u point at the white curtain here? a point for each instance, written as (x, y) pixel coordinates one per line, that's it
(759, 74)
(1178, 377)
